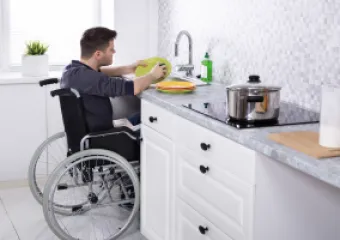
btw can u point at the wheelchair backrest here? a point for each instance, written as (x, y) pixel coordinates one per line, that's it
(73, 116)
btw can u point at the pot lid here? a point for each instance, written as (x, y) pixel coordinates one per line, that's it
(254, 83)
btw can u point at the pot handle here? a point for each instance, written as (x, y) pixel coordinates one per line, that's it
(255, 99)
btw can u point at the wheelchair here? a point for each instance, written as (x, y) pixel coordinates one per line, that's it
(53, 148)
(89, 185)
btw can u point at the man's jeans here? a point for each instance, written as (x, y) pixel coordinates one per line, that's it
(135, 119)
(132, 122)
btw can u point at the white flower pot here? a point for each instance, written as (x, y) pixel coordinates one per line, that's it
(35, 65)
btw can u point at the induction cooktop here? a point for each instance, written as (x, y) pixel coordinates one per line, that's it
(290, 114)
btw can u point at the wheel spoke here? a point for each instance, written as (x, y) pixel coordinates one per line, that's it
(44, 161)
(112, 199)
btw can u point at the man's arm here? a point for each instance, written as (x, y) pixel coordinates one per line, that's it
(121, 70)
(96, 83)
(142, 83)
(113, 71)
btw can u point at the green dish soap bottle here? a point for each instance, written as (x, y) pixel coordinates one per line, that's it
(206, 69)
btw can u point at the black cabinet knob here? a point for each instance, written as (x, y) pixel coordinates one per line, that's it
(204, 169)
(202, 229)
(205, 146)
(152, 119)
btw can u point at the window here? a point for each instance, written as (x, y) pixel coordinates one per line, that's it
(58, 23)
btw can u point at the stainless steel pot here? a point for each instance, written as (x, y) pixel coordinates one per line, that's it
(253, 101)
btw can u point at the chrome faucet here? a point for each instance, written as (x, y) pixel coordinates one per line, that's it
(188, 68)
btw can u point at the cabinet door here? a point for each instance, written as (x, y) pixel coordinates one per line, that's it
(215, 194)
(22, 128)
(156, 185)
(192, 226)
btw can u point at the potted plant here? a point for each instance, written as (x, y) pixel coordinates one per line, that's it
(35, 60)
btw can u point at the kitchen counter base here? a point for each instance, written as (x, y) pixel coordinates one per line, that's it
(326, 170)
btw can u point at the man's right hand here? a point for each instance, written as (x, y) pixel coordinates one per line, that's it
(158, 71)
(142, 83)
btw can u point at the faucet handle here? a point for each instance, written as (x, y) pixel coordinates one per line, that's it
(185, 67)
(188, 68)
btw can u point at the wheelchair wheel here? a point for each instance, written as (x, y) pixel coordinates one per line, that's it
(44, 160)
(104, 200)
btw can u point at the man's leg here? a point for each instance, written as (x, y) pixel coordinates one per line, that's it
(135, 119)
(132, 122)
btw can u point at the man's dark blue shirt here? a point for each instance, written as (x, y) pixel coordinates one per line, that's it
(96, 89)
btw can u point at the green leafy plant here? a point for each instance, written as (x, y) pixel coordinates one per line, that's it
(36, 48)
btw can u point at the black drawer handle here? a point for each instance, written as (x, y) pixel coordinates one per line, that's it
(205, 146)
(203, 169)
(202, 230)
(152, 119)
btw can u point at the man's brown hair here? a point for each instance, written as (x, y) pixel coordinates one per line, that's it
(96, 38)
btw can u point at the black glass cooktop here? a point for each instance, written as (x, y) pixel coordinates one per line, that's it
(290, 114)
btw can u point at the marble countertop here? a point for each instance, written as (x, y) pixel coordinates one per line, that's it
(327, 170)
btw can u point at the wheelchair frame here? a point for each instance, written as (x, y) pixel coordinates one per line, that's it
(84, 149)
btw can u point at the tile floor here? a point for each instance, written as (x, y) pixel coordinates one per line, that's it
(21, 217)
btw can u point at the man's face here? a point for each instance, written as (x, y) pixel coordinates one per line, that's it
(105, 57)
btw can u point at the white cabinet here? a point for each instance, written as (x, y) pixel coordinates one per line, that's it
(293, 205)
(156, 185)
(213, 178)
(158, 119)
(220, 197)
(220, 151)
(22, 128)
(28, 115)
(221, 190)
(192, 226)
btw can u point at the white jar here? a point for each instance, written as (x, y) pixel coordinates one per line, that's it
(329, 132)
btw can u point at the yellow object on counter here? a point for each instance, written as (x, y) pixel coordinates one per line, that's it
(175, 87)
(151, 62)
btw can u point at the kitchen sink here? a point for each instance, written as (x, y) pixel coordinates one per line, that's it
(194, 80)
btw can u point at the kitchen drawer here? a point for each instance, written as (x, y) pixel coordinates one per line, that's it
(221, 151)
(157, 118)
(192, 226)
(216, 194)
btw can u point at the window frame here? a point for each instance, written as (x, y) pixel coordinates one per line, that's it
(5, 65)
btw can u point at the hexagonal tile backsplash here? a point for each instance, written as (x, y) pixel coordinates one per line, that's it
(293, 43)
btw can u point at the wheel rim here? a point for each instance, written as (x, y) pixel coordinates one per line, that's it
(60, 226)
(45, 159)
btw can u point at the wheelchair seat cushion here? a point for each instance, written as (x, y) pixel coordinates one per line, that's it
(121, 143)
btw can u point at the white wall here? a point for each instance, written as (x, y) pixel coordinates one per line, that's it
(136, 22)
(293, 43)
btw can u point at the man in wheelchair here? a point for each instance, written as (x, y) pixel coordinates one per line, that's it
(99, 176)
(98, 81)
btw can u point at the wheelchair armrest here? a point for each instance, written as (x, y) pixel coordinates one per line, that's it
(134, 135)
(121, 140)
(65, 92)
